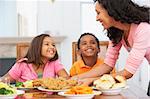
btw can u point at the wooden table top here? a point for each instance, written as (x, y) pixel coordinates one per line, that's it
(133, 92)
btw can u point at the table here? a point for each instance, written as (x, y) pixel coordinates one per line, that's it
(133, 92)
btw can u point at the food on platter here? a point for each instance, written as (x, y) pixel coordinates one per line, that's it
(108, 82)
(37, 82)
(6, 89)
(48, 83)
(58, 83)
(35, 95)
(80, 90)
(118, 85)
(19, 84)
(105, 82)
(120, 79)
(29, 84)
(121, 82)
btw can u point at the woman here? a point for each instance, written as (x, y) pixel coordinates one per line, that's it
(127, 24)
(41, 61)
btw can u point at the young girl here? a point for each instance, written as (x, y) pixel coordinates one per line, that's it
(41, 61)
(88, 47)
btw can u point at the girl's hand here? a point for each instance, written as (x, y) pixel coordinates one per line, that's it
(5, 80)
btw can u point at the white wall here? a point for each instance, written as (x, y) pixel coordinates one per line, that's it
(89, 23)
(8, 18)
(142, 2)
(61, 18)
(27, 17)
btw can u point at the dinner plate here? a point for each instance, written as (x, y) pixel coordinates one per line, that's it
(80, 96)
(12, 96)
(48, 90)
(111, 91)
(23, 88)
(26, 89)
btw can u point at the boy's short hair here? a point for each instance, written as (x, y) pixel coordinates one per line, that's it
(84, 34)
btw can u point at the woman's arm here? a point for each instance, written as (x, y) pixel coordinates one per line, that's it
(63, 73)
(109, 63)
(124, 73)
(95, 72)
(88, 81)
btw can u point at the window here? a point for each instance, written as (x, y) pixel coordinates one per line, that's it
(89, 23)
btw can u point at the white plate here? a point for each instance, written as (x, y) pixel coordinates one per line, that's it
(48, 90)
(111, 91)
(25, 89)
(80, 96)
(12, 96)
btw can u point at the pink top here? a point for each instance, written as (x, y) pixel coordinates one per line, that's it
(22, 71)
(139, 40)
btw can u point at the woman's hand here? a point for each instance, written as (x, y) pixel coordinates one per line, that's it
(123, 73)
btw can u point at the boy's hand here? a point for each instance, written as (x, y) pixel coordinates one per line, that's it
(85, 81)
(74, 77)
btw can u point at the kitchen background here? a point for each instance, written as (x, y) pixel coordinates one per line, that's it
(20, 20)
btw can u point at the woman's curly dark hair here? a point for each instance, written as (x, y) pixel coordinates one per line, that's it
(124, 11)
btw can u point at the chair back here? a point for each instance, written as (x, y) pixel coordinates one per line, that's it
(22, 49)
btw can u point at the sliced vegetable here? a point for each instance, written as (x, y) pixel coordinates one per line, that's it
(19, 84)
(4, 91)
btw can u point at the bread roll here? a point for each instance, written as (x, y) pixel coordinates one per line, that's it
(104, 84)
(28, 84)
(108, 82)
(108, 78)
(118, 85)
(121, 79)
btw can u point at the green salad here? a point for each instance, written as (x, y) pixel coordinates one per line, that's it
(6, 89)
(19, 84)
